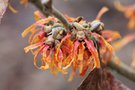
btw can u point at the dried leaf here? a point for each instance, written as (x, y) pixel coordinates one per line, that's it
(101, 79)
(133, 57)
(3, 7)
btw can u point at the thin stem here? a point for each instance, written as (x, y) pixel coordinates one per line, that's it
(47, 9)
(123, 69)
(61, 17)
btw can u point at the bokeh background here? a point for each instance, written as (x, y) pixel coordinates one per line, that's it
(17, 71)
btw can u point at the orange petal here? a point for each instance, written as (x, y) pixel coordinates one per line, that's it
(12, 8)
(72, 55)
(38, 15)
(131, 24)
(81, 52)
(104, 43)
(29, 29)
(129, 11)
(32, 27)
(93, 51)
(45, 51)
(124, 41)
(60, 54)
(46, 20)
(24, 2)
(36, 55)
(101, 12)
(31, 36)
(44, 67)
(50, 57)
(70, 19)
(80, 57)
(110, 35)
(59, 46)
(67, 62)
(33, 46)
(71, 76)
(85, 68)
(116, 60)
(53, 67)
(118, 6)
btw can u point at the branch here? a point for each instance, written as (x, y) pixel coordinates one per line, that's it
(123, 69)
(47, 9)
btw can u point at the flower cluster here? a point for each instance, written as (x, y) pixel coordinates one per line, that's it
(83, 46)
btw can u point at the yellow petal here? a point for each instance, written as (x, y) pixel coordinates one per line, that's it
(105, 43)
(33, 46)
(36, 55)
(80, 57)
(116, 60)
(131, 24)
(101, 12)
(32, 27)
(44, 67)
(12, 9)
(24, 2)
(110, 35)
(31, 36)
(29, 29)
(37, 15)
(118, 6)
(71, 76)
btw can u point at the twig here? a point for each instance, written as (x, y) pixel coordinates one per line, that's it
(47, 9)
(123, 69)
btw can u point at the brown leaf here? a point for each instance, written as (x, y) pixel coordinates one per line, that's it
(101, 79)
(133, 57)
(3, 6)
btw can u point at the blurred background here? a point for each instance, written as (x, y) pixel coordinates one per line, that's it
(17, 71)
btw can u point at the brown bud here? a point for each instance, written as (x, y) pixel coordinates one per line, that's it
(50, 40)
(80, 35)
(97, 26)
(47, 29)
(57, 25)
(78, 19)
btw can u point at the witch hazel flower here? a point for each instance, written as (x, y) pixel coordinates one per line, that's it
(80, 48)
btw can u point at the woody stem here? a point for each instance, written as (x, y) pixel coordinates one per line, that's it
(123, 69)
(48, 10)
